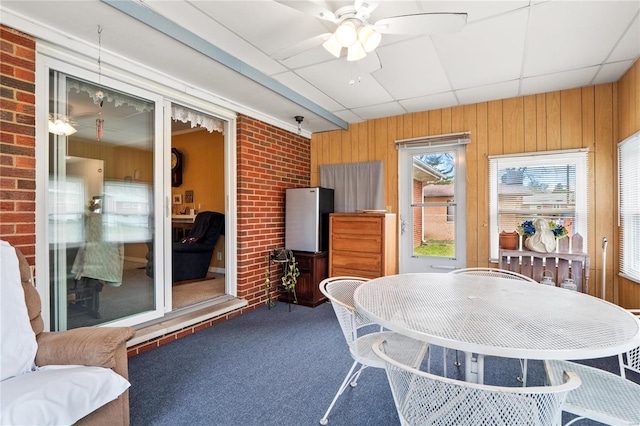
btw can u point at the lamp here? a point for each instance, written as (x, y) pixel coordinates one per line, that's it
(369, 38)
(333, 46)
(61, 126)
(356, 52)
(353, 34)
(299, 119)
(346, 34)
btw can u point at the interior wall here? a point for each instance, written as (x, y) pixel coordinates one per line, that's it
(577, 118)
(202, 173)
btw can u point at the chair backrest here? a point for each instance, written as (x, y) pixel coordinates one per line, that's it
(206, 229)
(423, 398)
(493, 272)
(339, 290)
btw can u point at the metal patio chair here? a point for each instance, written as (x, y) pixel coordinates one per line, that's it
(339, 291)
(603, 396)
(422, 398)
(499, 273)
(630, 360)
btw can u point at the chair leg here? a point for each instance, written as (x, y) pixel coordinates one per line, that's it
(352, 379)
(523, 378)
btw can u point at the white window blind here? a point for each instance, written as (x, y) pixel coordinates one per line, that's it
(629, 206)
(551, 185)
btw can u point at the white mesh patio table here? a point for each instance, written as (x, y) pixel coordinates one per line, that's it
(497, 316)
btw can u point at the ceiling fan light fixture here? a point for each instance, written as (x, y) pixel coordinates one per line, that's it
(369, 38)
(356, 52)
(333, 46)
(61, 127)
(346, 34)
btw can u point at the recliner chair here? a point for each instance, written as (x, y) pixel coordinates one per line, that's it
(192, 254)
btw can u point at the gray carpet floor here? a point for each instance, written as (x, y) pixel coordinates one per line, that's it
(280, 368)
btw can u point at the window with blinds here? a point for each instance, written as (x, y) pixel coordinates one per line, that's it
(528, 186)
(629, 207)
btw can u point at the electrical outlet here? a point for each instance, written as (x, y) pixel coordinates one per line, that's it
(219, 255)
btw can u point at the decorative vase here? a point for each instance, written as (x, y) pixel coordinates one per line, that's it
(509, 240)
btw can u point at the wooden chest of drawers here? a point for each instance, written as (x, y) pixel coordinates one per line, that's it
(362, 244)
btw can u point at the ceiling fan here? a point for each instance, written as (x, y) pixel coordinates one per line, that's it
(357, 35)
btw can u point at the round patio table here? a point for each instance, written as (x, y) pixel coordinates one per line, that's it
(498, 316)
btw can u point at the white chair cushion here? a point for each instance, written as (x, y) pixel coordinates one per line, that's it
(18, 349)
(58, 395)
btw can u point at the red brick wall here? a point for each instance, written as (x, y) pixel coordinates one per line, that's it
(17, 140)
(269, 161)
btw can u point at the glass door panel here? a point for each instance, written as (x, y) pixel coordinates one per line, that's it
(101, 204)
(431, 239)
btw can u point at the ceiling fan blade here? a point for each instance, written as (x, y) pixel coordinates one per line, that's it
(301, 47)
(317, 8)
(422, 23)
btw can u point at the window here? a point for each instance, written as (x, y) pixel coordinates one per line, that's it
(551, 185)
(629, 207)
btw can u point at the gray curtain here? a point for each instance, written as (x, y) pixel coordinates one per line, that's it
(356, 186)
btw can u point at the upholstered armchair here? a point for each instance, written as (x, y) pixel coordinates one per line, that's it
(192, 254)
(52, 378)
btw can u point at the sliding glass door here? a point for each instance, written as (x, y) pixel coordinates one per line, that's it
(103, 202)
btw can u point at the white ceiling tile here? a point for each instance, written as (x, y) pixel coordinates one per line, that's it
(627, 47)
(299, 85)
(505, 90)
(426, 103)
(379, 110)
(333, 79)
(569, 35)
(416, 60)
(348, 115)
(476, 10)
(610, 73)
(558, 81)
(484, 52)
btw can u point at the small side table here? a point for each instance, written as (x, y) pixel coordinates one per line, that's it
(314, 267)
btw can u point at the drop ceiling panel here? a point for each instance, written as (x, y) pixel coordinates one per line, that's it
(307, 90)
(564, 37)
(379, 110)
(558, 81)
(333, 78)
(484, 52)
(627, 47)
(476, 10)
(610, 73)
(490, 92)
(426, 103)
(422, 69)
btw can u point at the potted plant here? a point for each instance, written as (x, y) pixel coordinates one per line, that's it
(290, 274)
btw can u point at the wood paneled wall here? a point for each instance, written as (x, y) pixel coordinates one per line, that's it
(579, 118)
(628, 124)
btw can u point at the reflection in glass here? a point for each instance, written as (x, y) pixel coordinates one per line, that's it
(433, 205)
(100, 218)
